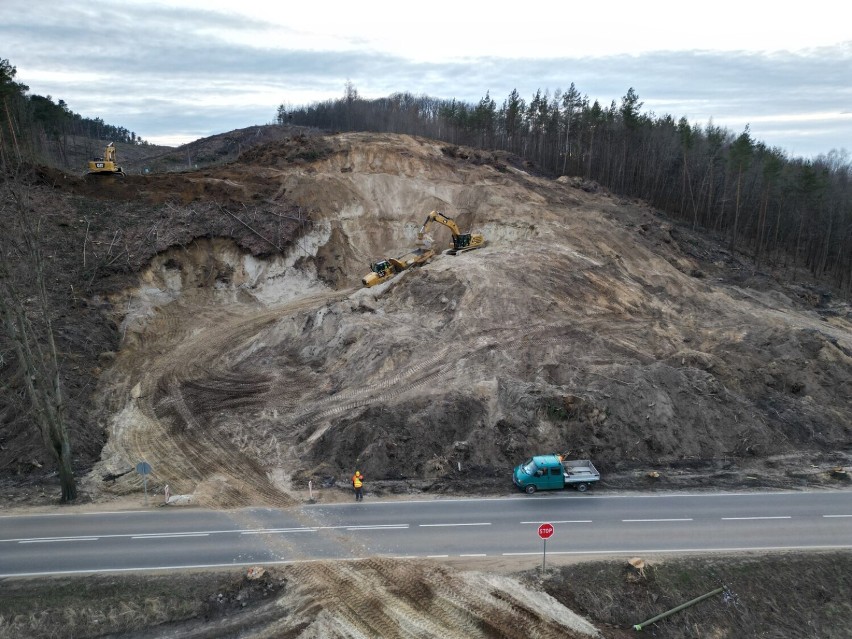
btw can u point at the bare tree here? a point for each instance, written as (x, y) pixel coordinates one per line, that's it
(27, 326)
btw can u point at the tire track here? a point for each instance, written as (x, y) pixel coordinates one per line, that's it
(183, 454)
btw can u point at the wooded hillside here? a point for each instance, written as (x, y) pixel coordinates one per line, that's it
(780, 210)
(35, 128)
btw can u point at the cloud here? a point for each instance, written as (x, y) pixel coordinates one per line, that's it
(160, 70)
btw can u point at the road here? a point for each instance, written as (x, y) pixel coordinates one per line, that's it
(442, 529)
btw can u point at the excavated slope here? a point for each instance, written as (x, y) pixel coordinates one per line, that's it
(586, 325)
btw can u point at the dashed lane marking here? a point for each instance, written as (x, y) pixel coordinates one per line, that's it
(56, 540)
(645, 520)
(670, 551)
(486, 523)
(276, 531)
(170, 536)
(565, 521)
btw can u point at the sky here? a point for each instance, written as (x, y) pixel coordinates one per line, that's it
(176, 71)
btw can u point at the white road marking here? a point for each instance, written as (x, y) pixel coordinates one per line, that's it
(475, 555)
(436, 556)
(170, 536)
(72, 514)
(364, 527)
(236, 564)
(405, 557)
(275, 531)
(566, 521)
(837, 515)
(750, 518)
(288, 562)
(121, 535)
(640, 520)
(393, 502)
(663, 551)
(560, 495)
(487, 523)
(56, 539)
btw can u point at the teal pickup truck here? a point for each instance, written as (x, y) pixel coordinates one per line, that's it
(551, 472)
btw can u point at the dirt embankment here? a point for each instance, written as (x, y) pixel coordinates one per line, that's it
(785, 595)
(214, 325)
(241, 357)
(586, 324)
(99, 236)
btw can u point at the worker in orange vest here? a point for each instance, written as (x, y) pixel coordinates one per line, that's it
(358, 485)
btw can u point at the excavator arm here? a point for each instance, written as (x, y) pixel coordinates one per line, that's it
(461, 241)
(440, 218)
(109, 153)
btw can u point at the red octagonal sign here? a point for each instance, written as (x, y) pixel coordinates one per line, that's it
(545, 531)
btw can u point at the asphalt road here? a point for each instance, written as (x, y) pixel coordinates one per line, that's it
(443, 529)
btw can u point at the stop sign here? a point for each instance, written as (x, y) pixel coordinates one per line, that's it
(545, 531)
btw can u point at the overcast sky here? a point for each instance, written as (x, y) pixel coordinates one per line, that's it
(177, 71)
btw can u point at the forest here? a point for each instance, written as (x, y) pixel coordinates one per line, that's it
(783, 212)
(36, 126)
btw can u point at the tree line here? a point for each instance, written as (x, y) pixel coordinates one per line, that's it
(781, 211)
(31, 379)
(34, 126)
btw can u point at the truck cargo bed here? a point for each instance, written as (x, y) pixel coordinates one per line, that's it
(580, 471)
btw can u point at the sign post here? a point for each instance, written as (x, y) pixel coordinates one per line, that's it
(144, 469)
(545, 531)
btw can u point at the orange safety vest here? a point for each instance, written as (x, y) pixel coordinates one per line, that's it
(356, 480)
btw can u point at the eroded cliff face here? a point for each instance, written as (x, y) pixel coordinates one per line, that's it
(586, 324)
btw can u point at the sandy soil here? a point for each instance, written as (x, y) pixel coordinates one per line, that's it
(586, 325)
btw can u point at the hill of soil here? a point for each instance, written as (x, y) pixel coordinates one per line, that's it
(213, 323)
(72, 153)
(218, 329)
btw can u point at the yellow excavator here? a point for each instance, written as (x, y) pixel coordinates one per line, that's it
(384, 270)
(461, 241)
(105, 165)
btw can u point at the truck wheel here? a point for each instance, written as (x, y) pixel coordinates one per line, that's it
(530, 489)
(582, 487)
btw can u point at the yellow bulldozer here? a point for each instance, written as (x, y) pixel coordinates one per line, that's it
(106, 165)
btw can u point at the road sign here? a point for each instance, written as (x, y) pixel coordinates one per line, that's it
(545, 531)
(144, 469)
